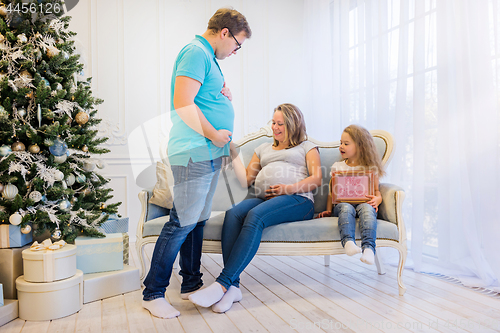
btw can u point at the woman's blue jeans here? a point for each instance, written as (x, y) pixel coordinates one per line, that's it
(243, 226)
(346, 213)
(193, 192)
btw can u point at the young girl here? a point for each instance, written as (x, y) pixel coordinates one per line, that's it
(358, 153)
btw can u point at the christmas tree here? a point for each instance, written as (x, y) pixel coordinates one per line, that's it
(48, 135)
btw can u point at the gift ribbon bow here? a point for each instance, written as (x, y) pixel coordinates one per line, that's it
(47, 245)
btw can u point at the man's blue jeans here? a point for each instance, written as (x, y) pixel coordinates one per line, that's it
(243, 226)
(193, 192)
(346, 213)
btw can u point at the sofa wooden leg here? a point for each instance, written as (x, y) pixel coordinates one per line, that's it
(327, 260)
(401, 265)
(379, 264)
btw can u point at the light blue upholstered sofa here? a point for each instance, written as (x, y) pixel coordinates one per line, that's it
(312, 237)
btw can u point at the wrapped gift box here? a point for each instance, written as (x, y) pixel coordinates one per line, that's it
(49, 265)
(11, 267)
(51, 300)
(95, 255)
(97, 286)
(11, 236)
(114, 225)
(9, 311)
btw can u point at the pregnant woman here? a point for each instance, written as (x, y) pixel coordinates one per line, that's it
(284, 172)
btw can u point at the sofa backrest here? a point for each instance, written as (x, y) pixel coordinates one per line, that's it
(228, 185)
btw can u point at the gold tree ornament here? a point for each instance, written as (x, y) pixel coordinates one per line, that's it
(34, 148)
(103, 206)
(26, 75)
(26, 229)
(52, 51)
(82, 118)
(3, 10)
(85, 149)
(18, 146)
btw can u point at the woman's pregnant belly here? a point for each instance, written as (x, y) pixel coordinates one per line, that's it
(276, 173)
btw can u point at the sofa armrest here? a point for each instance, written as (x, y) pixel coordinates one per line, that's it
(392, 201)
(148, 211)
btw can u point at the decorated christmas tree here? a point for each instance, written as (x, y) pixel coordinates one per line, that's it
(48, 135)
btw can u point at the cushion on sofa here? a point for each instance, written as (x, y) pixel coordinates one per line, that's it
(317, 230)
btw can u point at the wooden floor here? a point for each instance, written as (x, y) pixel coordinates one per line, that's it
(297, 294)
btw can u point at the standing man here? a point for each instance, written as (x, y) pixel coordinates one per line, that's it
(202, 117)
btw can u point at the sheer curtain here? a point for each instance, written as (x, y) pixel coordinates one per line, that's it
(428, 71)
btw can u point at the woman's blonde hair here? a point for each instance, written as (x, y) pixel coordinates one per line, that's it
(368, 155)
(295, 126)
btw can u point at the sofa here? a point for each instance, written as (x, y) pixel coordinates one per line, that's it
(303, 238)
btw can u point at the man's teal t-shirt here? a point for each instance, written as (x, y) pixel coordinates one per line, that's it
(197, 61)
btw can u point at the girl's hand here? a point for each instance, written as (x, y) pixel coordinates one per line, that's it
(276, 190)
(374, 201)
(326, 213)
(226, 92)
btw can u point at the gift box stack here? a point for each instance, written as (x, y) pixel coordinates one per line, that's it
(104, 262)
(59, 278)
(12, 242)
(51, 286)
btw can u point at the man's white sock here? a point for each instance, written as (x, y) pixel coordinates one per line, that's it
(160, 308)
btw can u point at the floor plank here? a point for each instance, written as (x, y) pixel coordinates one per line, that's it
(89, 318)
(114, 315)
(416, 317)
(359, 317)
(311, 304)
(294, 319)
(139, 319)
(66, 324)
(14, 326)
(36, 327)
(470, 310)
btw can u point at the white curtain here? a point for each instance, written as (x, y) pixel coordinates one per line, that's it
(428, 71)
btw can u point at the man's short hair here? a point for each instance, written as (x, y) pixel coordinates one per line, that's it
(231, 19)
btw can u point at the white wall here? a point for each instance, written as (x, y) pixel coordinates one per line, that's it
(129, 48)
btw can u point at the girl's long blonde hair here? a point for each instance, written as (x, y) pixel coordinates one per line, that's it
(295, 126)
(368, 155)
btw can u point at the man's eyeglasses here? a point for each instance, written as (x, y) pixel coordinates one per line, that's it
(239, 45)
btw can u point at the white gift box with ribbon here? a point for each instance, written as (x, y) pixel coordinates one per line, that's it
(47, 262)
(51, 300)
